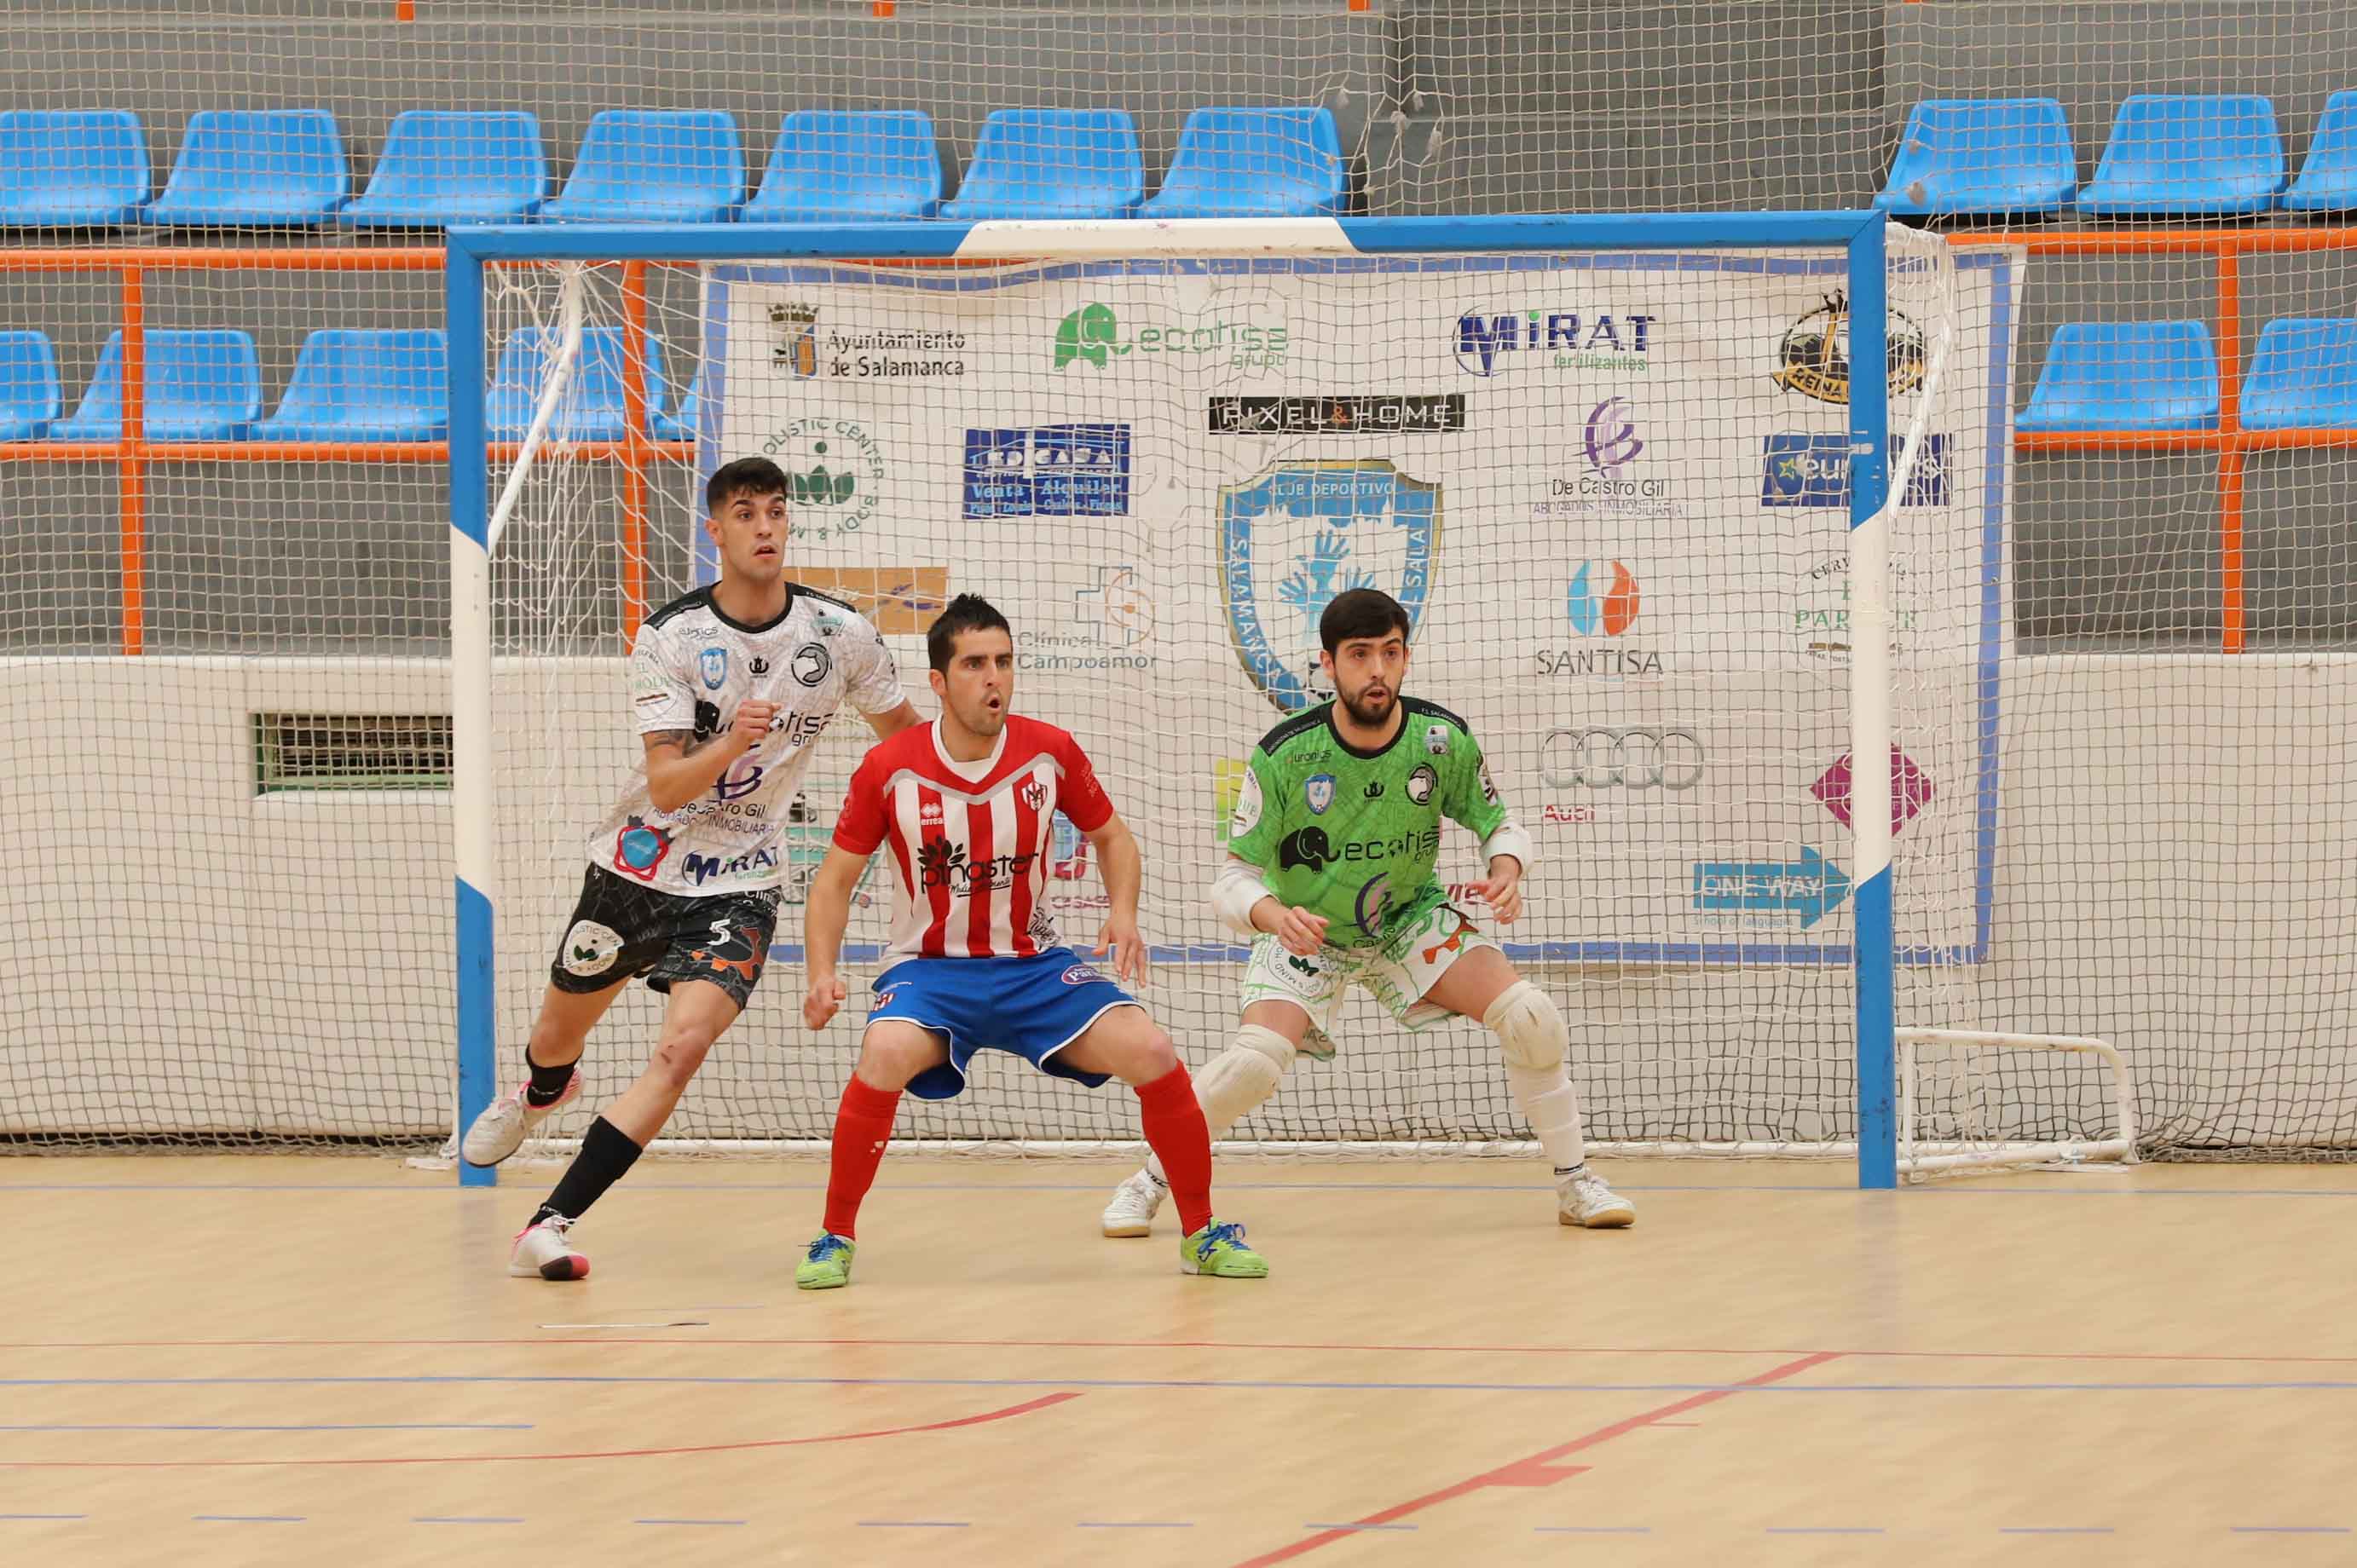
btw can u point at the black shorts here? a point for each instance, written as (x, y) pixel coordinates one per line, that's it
(619, 929)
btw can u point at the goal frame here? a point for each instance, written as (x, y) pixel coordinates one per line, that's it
(1860, 236)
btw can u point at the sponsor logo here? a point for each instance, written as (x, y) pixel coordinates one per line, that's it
(713, 664)
(1375, 790)
(1770, 893)
(1813, 356)
(1911, 790)
(702, 868)
(940, 863)
(1435, 739)
(1068, 862)
(1812, 469)
(758, 665)
(810, 664)
(652, 699)
(741, 778)
(1298, 534)
(1081, 974)
(1670, 759)
(591, 949)
(1049, 470)
(1489, 785)
(1318, 790)
(1820, 619)
(1387, 413)
(1490, 342)
(735, 949)
(800, 729)
(1611, 482)
(639, 850)
(1092, 335)
(799, 346)
(1233, 784)
(1035, 794)
(1300, 975)
(896, 599)
(1575, 816)
(929, 814)
(1600, 600)
(834, 474)
(1422, 783)
(1111, 620)
(1310, 847)
(1374, 898)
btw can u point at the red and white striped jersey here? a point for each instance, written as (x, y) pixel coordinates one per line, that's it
(970, 840)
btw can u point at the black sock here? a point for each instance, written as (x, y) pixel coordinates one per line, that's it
(547, 1082)
(606, 1153)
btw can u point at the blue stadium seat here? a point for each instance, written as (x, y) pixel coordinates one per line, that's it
(353, 385)
(28, 385)
(593, 405)
(260, 169)
(1983, 157)
(829, 166)
(2189, 153)
(2303, 376)
(200, 386)
(2328, 176)
(82, 168)
(683, 426)
(2141, 375)
(1052, 163)
(647, 165)
(440, 167)
(1252, 163)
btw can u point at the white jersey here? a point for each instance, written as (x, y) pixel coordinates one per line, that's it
(691, 670)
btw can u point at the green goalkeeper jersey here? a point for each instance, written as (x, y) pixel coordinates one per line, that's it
(1348, 833)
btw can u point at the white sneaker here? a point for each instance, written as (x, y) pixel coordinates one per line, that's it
(1582, 1198)
(1131, 1212)
(543, 1249)
(499, 1131)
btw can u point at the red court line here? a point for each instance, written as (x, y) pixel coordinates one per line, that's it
(822, 1342)
(1026, 1408)
(1539, 1469)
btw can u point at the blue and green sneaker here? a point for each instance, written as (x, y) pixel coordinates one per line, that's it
(1218, 1250)
(828, 1264)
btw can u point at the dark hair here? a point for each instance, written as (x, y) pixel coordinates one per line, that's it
(746, 476)
(1360, 612)
(967, 612)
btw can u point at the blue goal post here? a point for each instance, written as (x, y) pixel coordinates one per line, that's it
(1861, 238)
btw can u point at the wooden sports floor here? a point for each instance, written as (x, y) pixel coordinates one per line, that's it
(259, 1360)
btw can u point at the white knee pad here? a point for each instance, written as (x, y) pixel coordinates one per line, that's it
(1241, 1077)
(1530, 1030)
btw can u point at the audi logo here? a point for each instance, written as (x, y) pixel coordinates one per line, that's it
(1621, 759)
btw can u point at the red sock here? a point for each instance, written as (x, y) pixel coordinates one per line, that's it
(863, 1125)
(1178, 1136)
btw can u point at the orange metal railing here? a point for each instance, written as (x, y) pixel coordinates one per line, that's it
(134, 453)
(2233, 445)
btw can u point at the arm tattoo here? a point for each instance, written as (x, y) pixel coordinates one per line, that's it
(688, 741)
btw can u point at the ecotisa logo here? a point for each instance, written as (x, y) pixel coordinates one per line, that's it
(1093, 335)
(1491, 342)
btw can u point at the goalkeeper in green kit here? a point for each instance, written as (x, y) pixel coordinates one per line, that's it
(1330, 871)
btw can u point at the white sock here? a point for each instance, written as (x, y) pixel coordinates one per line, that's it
(1551, 1105)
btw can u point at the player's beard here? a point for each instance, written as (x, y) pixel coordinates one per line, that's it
(1363, 714)
(983, 720)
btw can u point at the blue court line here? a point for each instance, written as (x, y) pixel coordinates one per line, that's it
(2056, 1529)
(459, 1519)
(353, 1426)
(1592, 1529)
(42, 1516)
(443, 1189)
(2318, 1386)
(248, 1518)
(687, 1521)
(2289, 1528)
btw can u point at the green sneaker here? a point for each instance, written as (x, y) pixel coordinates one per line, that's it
(828, 1266)
(1218, 1250)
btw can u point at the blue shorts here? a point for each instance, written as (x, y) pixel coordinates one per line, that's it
(1032, 1007)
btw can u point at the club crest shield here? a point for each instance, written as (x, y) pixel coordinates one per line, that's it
(1299, 533)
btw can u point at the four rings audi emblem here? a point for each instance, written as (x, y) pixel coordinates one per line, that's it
(1620, 759)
